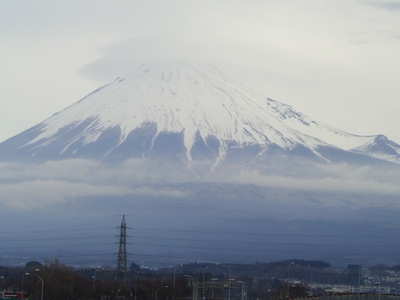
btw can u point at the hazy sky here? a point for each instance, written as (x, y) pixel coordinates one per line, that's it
(335, 60)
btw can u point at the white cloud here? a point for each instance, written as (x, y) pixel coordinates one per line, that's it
(56, 182)
(53, 183)
(341, 179)
(38, 193)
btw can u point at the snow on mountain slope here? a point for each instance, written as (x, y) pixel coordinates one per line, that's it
(178, 98)
(376, 146)
(183, 108)
(314, 128)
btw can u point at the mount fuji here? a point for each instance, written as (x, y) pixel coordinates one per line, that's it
(195, 117)
(179, 145)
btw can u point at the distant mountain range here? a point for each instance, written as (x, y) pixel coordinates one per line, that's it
(195, 117)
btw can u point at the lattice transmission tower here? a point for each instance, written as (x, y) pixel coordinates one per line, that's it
(122, 255)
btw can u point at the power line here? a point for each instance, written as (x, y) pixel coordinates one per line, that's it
(56, 230)
(210, 248)
(55, 239)
(209, 232)
(196, 240)
(266, 234)
(243, 250)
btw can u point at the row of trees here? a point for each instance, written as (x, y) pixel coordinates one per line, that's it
(63, 282)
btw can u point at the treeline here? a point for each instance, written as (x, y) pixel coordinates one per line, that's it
(206, 280)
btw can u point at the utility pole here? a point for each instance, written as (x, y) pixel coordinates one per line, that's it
(122, 256)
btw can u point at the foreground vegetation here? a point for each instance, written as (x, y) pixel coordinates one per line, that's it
(207, 281)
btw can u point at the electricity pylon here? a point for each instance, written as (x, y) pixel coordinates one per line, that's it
(122, 256)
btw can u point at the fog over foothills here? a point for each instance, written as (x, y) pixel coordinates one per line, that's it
(32, 186)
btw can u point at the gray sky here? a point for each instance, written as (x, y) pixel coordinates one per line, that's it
(335, 60)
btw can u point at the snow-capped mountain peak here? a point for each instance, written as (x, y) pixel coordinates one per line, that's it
(177, 98)
(192, 112)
